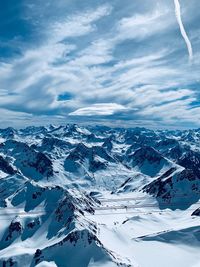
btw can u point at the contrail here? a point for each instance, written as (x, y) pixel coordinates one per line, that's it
(182, 29)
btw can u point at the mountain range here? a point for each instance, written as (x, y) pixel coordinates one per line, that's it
(95, 196)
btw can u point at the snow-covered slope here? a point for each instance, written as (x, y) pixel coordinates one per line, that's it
(74, 196)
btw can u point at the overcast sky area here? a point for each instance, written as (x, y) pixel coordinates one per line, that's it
(121, 63)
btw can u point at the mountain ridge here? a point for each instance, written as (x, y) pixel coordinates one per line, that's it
(62, 189)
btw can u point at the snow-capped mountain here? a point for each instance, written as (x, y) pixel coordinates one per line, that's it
(74, 196)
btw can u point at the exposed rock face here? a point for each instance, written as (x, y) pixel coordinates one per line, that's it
(12, 233)
(196, 212)
(182, 188)
(30, 162)
(191, 160)
(148, 161)
(6, 167)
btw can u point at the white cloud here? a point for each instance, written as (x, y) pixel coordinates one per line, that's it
(84, 57)
(101, 109)
(79, 24)
(140, 26)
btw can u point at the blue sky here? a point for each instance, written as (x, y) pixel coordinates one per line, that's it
(114, 62)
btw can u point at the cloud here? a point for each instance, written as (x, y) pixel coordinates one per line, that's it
(106, 61)
(38, 78)
(182, 29)
(79, 24)
(143, 25)
(101, 109)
